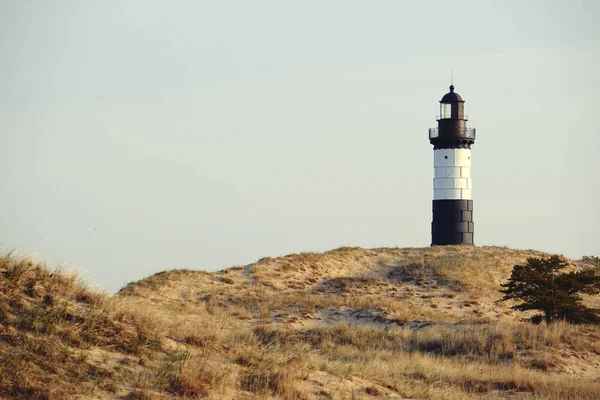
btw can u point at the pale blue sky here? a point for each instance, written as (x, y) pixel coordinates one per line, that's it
(138, 136)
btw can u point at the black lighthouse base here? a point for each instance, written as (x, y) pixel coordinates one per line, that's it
(452, 222)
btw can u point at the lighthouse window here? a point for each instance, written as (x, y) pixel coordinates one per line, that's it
(445, 111)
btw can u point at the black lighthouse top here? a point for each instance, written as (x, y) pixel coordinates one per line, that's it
(452, 131)
(451, 96)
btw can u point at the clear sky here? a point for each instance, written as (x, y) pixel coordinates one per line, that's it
(138, 136)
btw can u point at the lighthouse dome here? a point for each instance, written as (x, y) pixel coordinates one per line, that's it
(451, 96)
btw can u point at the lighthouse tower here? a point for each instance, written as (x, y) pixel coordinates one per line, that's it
(452, 200)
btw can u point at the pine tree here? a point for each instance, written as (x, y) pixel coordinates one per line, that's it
(540, 285)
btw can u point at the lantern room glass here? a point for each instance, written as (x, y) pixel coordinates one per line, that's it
(445, 111)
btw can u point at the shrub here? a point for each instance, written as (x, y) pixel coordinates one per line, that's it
(540, 285)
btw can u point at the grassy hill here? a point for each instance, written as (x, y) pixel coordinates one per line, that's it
(350, 323)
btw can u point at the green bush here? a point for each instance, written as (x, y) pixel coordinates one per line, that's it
(540, 285)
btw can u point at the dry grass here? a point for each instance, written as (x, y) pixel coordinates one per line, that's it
(346, 324)
(49, 323)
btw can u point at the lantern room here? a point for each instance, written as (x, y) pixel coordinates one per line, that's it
(451, 106)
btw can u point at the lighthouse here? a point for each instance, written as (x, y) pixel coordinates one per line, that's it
(452, 185)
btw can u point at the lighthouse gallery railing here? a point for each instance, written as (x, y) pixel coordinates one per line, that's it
(465, 132)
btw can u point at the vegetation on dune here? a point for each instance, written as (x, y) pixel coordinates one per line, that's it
(349, 323)
(592, 262)
(541, 284)
(47, 322)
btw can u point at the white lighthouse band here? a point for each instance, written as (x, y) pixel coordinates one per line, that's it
(452, 174)
(452, 205)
